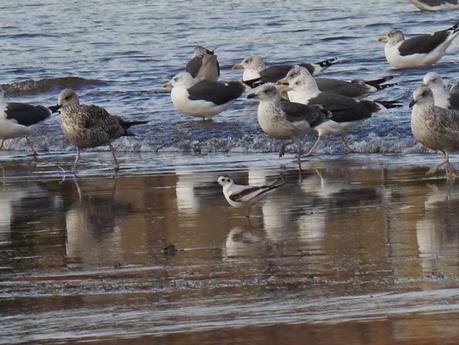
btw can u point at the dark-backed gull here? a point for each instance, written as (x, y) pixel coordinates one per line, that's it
(198, 70)
(421, 50)
(347, 112)
(435, 5)
(434, 127)
(257, 73)
(89, 125)
(356, 88)
(442, 97)
(17, 117)
(205, 98)
(284, 119)
(240, 196)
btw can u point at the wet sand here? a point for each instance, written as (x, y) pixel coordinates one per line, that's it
(364, 250)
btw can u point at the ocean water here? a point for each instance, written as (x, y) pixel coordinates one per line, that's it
(117, 54)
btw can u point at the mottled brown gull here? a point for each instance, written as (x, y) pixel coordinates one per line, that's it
(203, 64)
(434, 127)
(89, 125)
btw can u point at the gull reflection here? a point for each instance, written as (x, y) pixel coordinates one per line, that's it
(93, 234)
(187, 182)
(433, 226)
(241, 242)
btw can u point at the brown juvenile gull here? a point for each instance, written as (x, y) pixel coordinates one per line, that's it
(89, 125)
(347, 112)
(434, 127)
(206, 98)
(284, 119)
(442, 97)
(17, 117)
(199, 70)
(418, 51)
(435, 5)
(356, 88)
(257, 73)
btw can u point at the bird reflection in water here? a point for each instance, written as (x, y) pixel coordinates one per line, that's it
(93, 234)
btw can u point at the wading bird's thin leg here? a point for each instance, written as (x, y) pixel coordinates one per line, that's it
(282, 148)
(116, 165)
(314, 147)
(347, 147)
(300, 169)
(247, 216)
(77, 159)
(435, 168)
(1, 144)
(29, 143)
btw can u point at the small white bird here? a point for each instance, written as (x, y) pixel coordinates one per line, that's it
(205, 98)
(434, 127)
(442, 97)
(240, 196)
(418, 51)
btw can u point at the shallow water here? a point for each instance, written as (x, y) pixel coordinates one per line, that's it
(360, 251)
(132, 47)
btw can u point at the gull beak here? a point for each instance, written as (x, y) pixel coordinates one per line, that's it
(282, 82)
(238, 66)
(166, 84)
(285, 90)
(412, 103)
(382, 38)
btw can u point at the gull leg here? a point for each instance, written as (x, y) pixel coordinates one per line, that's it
(1, 144)
(347, 147)
(314, 147)
(300, 151)
(282, 149)
(433, 170)
(450, 175)
(247, 216)
(29, 143)
(77, 159)
(116, 165)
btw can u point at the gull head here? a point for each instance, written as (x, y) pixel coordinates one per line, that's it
(67, 97)
(294, 73)
(393, 36)
(432, 79)
(423, 95)
(182, 79)
(266, 91)
(224, 180)
(201, 51)
(254, 62)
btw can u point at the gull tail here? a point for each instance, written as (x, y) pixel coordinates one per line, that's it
(377, 82)
(385, 86)
(383, 104)
(327, 63)
(126, 124)
(454, 29)
(253, 83)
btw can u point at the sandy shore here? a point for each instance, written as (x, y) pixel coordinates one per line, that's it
(362, 250)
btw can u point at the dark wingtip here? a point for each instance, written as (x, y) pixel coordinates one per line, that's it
(54, 108)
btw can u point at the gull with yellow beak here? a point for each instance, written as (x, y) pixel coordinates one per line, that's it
(346, 112)
(286, 120)
(418, 51)
(257, 73)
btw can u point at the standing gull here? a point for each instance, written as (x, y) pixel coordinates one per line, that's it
(442, 97)
(89, 125)
(356, 88)
(434, 127)
(347, 112)
(205, 98)
(418, 51)
(435, 5)
(284, 119)
(200, 70)
(240, 196)
(257, 73)
(15, 119)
